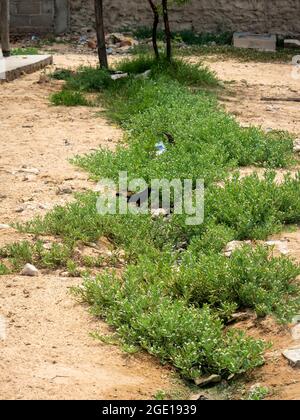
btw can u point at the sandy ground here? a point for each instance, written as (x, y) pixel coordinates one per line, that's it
(48, 352)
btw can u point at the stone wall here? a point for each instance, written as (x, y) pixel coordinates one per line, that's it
(39, 16)
(276, 16)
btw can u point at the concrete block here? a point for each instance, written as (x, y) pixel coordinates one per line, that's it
(292, 43)
(13, 67)
(261, 42)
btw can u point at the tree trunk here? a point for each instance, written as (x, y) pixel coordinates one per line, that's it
(167, 29)
(4, 23)
(155, 26)
(100, 34)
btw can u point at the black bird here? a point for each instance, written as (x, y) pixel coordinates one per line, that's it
(169, 136)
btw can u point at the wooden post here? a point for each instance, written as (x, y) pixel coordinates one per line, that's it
(101, 34)
(4, 23)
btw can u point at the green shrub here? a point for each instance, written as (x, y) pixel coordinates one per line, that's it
(191, 339)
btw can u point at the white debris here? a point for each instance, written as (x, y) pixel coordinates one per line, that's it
(30, 270)
(144, 75)
(119, 76)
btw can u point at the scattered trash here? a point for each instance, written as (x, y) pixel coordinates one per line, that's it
(160, 148)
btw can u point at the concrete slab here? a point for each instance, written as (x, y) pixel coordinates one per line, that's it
(13, 67)
(261, 42)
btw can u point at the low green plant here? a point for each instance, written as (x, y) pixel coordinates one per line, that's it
(3, 270)
(191, 339)
(69, 98)
(25, 51)
(258, 393)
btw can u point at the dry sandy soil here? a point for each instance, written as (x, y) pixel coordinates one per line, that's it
(48, 352)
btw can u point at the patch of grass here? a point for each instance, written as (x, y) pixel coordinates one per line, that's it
(18, 254)
(88, 79)
(184, 73)
(3, 270)
(25, 51)
(62, 74)
(69, 98)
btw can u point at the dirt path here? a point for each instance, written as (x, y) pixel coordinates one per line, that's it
(48, 352)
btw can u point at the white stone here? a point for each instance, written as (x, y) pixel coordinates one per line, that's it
(33, 171)
(293, 356)
(3, 226)
(159, 212)
(297, 146)
(281, 246)
(119, 76)
(30, 270)
(296, 332)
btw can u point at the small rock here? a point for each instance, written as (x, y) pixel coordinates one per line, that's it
(3, 196)
(64, 190)
(30, 270)
(204, 381)
(119, 76)
(280, 246)
(293, 356)
(297, 146)
(33, 171)
(19, 209)
(233, 246)
(296, 332)
(159, 212)
(239, 316)
(3, 226)
(296, 320)
(65, 274)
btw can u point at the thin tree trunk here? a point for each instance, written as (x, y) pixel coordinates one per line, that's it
(4, 23)
(167, 29)
(102, 53)
(155, 26)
